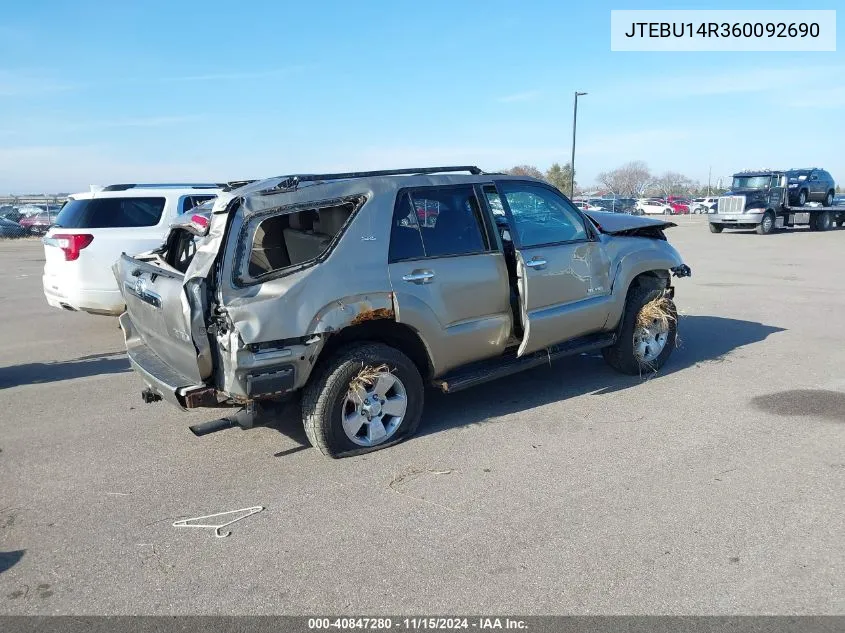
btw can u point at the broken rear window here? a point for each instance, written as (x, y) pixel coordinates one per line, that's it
(283, 241)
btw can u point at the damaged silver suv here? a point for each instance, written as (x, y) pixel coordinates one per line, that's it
(357, 290)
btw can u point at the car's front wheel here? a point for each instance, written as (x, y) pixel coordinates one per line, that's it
(647, 333)
(366, 396)
(767, 224)
(802, 198)
(716, 228)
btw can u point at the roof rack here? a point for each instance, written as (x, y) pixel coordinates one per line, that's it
(165, 185)
(291, 182)
(237, 184)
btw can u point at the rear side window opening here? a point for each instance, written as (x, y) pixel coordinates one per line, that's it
(280, 242)
(104, 213)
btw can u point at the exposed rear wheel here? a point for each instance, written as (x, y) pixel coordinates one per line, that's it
(716, 228)
(365, 397)
(648, 332)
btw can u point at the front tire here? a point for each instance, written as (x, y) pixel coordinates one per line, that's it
(345, 414)
(716, 228)
(643, 347)
(767, 224)
(802, 198)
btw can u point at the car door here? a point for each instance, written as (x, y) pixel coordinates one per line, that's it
(449, 278)
(562, 269)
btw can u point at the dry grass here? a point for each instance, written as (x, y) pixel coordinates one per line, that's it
(658, 310)
(367, 377)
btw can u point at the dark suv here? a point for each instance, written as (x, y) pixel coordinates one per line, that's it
(810, 185)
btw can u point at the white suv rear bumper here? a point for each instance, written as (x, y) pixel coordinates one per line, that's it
(61, 294)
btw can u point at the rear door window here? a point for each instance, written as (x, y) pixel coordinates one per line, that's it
(437, 222)
(101, 213)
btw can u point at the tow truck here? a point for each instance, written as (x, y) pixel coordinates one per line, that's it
(759, 200)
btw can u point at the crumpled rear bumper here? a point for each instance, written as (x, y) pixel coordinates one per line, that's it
(160, 377)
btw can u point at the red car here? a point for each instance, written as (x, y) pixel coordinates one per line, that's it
(679, 205)
(39, 223)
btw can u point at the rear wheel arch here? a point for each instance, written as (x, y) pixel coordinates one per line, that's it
(387, 331)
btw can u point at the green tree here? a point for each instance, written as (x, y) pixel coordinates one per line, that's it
(560, 176)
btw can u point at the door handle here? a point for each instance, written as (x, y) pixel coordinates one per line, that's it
(536, 262)
(419, 277)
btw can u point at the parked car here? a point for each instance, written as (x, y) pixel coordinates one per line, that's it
(94, 228)
(39, 223)
(267, 306)
(704, 205)
(9, 229)
(586, 205)
(680, 206)
(810, 185)
(648, 206)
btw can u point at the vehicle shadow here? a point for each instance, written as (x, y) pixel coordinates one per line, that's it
(703, 339)
(10, 559)
(40, 373)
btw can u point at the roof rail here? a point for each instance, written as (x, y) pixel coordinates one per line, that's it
(164, 185)
(291, 182)
(237, 184)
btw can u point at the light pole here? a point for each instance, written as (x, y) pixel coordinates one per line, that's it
(572, 162)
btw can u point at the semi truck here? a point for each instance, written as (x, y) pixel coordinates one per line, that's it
(760, 200)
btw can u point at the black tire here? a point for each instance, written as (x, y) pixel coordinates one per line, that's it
(715, 228)
(822, 221)
(667, 212)
(767, 224)
(828, 199)
(621, 354)
(324, 395)
(802, 197)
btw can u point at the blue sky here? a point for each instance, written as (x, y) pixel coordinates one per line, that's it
(96, 92)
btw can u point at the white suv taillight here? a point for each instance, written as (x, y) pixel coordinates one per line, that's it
(71, 245)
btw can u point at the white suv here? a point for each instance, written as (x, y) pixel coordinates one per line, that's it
(94, 228)
(651, 206)
(703, 205)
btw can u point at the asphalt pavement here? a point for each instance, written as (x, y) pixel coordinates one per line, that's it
(714, 487)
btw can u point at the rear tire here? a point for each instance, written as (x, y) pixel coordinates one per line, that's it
(767, 224)
(716, 228)
(822, 222)
(325, 398)
(828, 199)
(622, 355)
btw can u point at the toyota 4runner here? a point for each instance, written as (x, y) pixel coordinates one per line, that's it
(358, 289)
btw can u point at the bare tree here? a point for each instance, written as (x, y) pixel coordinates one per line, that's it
(673, 183)
(525, 170)
(629, 180)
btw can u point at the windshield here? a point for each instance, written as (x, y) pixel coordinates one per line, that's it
(751, 182)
